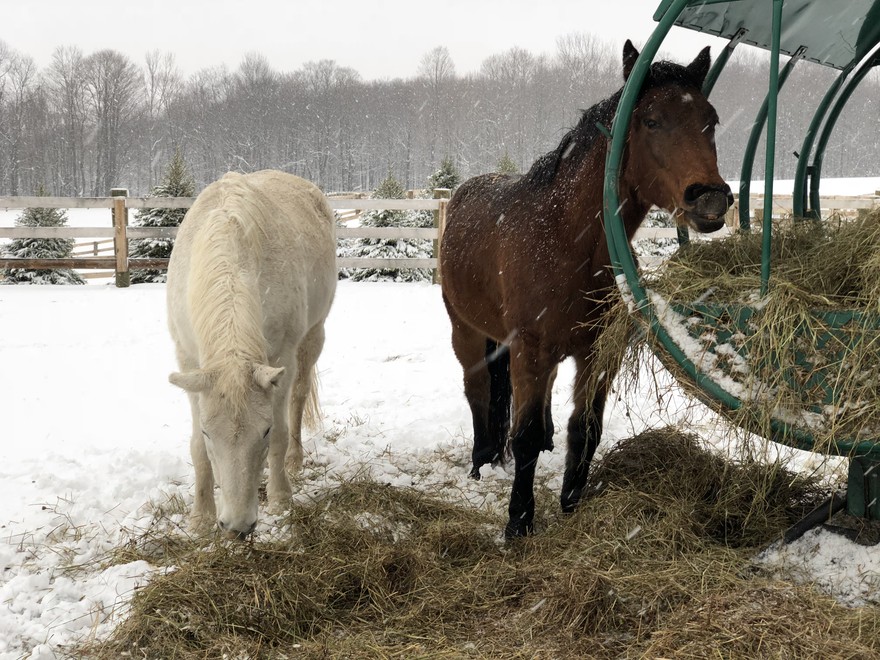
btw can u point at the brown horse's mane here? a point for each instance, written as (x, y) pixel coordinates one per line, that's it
(576, 144)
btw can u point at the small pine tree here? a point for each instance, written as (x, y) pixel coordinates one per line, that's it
(387, 248)
(445, 177)
(506, 165)
(41, 248)
(177, 182)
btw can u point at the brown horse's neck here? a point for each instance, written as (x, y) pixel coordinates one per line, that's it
(582, 189)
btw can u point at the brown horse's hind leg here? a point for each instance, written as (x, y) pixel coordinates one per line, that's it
(549, 429)
(500, 395)
(584, 433)
(469, 346)
(530, 372)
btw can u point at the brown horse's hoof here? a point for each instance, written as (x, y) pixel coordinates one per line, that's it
(570, 504)
(518, 530)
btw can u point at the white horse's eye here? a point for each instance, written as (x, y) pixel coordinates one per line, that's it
(266, 434)
(205, 433)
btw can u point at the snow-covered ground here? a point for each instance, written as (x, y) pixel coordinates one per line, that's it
(93, 435)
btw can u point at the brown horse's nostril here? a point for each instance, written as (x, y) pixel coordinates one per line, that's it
(695, 191)
(708, 200)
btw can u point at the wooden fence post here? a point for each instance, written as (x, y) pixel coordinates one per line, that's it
(443, 195)
(120, 237)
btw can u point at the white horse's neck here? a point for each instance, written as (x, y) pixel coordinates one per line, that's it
(225, 303)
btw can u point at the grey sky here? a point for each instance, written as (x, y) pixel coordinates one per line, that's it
(378, 38)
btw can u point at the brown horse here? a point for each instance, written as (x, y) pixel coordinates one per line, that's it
(525, 264)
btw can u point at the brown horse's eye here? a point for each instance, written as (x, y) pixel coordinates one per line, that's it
(651, 123)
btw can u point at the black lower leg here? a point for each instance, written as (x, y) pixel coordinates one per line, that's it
(584, 432)
(483, 451)
(527, 442)
(548, 427)
(498, 363)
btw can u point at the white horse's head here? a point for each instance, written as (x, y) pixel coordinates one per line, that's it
(236, 423)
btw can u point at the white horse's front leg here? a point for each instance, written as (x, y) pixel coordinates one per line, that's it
(278, 489)
(204, 511)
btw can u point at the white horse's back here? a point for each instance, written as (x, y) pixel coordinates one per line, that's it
(250, 282)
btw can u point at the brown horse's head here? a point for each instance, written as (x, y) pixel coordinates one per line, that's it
(671, 160)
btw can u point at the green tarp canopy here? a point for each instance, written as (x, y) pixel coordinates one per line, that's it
(835, 33)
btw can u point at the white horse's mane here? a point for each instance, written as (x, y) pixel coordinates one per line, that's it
(223, 298)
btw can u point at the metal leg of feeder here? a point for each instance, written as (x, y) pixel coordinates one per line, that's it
(821, 514)
(863, 488)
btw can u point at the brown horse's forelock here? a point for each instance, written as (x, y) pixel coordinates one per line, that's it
(575, 145)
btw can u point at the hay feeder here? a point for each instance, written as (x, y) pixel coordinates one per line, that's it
(845, 37)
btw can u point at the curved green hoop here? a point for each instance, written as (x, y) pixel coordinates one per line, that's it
(816, 171)
(745, 175)
(799, 195)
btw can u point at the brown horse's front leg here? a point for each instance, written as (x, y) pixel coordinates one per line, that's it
(528, 441)
(584, 433)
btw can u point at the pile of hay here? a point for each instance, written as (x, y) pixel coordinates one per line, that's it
(656, 559)
(807, 354)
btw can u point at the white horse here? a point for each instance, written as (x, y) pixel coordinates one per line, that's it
(251, 279)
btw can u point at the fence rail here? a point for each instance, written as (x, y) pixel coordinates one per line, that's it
(120, 233)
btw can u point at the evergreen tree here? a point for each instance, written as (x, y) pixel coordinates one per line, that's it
(177, 182)
(506, 165)
(445, 177)
(41, 248)
(388, 248)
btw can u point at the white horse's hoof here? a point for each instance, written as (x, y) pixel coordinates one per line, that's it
(201, 525)
(278, 506)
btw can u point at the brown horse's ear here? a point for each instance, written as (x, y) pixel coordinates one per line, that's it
(700, 66)
(630, 55)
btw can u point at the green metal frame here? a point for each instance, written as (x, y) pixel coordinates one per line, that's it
(799, 195)
(745, 176)
(833, 115)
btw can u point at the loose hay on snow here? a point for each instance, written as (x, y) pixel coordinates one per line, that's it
(372, 571)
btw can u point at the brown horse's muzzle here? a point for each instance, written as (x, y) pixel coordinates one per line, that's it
(705, 206)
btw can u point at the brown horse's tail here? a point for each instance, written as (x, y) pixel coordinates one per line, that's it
(500, 393)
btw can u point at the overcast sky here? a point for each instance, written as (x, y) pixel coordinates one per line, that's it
(378, 38)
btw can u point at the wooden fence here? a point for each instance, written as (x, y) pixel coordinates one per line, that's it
(119, 233)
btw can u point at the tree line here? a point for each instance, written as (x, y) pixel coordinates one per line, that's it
(90, 122)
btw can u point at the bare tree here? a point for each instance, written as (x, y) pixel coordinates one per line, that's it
(329, 90)
(198, 119)
(66, 89)
(436, 73)
(22, 76)
(114, 87)
(162, 86)
(513, 79)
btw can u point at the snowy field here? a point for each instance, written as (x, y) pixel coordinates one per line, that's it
(94, 437)
(94, 433)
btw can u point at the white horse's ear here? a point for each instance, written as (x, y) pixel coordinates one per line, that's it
(191, 381)
(266, 376)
